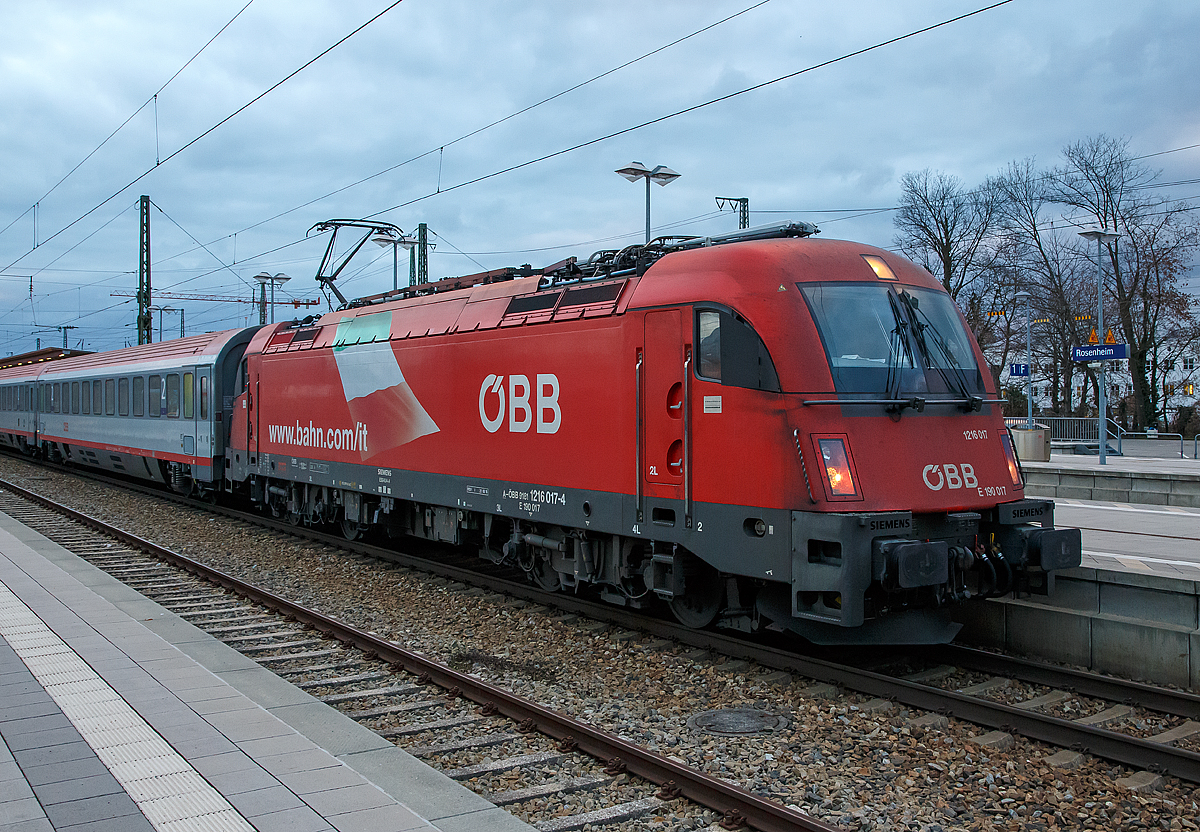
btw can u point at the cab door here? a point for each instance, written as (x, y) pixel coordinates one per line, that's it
(665, 428)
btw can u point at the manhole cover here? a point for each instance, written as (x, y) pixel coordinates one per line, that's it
(737, 722)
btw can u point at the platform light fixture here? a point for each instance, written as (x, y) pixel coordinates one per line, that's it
(276, 280)
(662, 174)
(263, 279)
(1028, 298)
(1101, 237)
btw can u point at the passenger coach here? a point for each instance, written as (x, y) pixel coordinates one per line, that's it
(156, 411)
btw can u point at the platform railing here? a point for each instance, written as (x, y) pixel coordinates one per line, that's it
(1079, 428)
(1155, 435)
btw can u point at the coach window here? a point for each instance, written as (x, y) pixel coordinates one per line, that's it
(85, 397)
(123, 397)
(98, 398)
(155, 396)
(189, 393)
(173, 395)
(74, 396)
(203, 397)
(139, 395)
(731, 352)
(110, 396)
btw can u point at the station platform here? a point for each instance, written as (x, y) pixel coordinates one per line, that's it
(115, 714)
(1153, 480)
(1133, 606)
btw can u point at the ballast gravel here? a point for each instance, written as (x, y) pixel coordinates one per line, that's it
(841, 758)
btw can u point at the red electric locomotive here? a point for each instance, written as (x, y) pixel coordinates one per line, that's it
(756, 428)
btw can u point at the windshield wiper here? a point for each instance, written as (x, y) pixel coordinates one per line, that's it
(898, 348)
(959, 383)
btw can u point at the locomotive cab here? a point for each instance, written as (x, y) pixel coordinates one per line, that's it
(838, 401)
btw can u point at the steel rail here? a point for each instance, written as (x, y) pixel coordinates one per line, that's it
(1110, 745)
(736, 804)
(1177, 702)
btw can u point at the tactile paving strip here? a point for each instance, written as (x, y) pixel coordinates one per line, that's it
(169, 792)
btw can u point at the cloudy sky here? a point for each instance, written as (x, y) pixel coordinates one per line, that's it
(384, 125)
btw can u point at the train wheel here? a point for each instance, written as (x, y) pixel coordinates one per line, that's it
(351, 529)
(703, 595)
(544, 576)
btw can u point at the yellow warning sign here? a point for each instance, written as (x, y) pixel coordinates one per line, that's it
(1093, 338)
(1109, 339)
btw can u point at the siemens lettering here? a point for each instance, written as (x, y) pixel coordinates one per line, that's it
(520, 413)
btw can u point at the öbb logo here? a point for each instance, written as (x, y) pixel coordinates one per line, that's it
(949, 476)
(520, 412)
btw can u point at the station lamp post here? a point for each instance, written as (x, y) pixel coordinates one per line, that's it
(1025, 296)
(277, 280)
(403, 241)
(1101, 237)
(263, 279)
(662, 174)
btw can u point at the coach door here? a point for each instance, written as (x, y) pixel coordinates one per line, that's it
(663, 407)
(187, 409)
(204, 413)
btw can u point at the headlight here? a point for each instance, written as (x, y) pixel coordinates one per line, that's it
(837, 467)
(1014, 470)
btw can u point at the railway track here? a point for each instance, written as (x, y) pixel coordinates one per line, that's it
(472, 730)
(1149, 729)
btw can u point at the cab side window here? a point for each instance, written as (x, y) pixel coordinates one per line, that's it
(731, 352)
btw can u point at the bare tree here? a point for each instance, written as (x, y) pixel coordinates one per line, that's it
(1107, 187)
(945, 227)
(1020, 231)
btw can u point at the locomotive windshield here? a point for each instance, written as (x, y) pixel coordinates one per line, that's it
(882, 341)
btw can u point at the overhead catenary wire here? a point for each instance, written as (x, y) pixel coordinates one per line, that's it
(153, 98)
(693, 108)
(443, 190)
(214, 127)
(441, 147)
